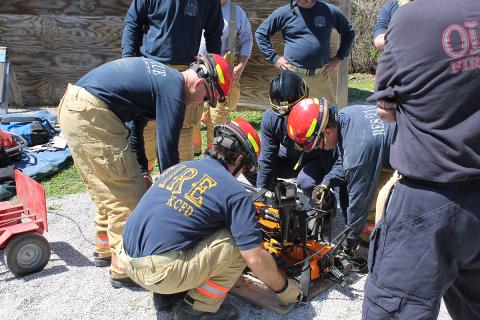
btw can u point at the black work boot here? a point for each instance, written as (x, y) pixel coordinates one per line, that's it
(165, 302)
(123, 283)
(102, 262)
(349, 247)
(184, 311)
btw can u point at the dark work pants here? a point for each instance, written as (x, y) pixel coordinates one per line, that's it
(426, 247)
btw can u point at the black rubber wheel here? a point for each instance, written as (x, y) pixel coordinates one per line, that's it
(27, 253)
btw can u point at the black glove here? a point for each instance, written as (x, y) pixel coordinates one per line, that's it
(321, 194)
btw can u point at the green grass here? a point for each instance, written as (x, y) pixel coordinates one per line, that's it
(68, 180)
(360, 87)
(65, 182)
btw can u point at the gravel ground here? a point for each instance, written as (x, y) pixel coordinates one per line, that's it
(71, 287)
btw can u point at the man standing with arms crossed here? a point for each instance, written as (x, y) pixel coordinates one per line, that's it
(170, 31)
(427, 245)
(306, 26)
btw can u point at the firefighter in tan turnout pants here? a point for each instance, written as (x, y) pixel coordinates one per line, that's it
(93, 113)
(209, 232)
(236, 32)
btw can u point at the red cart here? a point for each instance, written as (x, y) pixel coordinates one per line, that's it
(22, 226)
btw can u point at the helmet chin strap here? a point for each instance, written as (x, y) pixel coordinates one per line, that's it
(299, 162)
(293, 4)
(237, 169)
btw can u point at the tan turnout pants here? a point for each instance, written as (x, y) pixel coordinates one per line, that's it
(150, 143)
(320, 86)
(216, 116)
(98, 140)
(382, 191)
(207, 270)
(193, 114)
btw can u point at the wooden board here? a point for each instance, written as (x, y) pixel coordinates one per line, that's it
(60, 33)
(53, 42)
(65, 7)
(256, 292)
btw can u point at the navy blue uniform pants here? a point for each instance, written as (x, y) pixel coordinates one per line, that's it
(426, 247)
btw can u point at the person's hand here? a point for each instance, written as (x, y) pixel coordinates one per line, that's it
(291, 293)
(282, 64)
(148, 181)
(331, 65)
(321, 194)
(237, 72)
(387, 110)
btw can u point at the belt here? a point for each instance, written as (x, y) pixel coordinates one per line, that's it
(306, 72)
(156, 260)
(472, 185)
(81, 93)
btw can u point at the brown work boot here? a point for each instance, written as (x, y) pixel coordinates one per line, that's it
(184, 311)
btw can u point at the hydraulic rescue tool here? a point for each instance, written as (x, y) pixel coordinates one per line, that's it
(298, 235)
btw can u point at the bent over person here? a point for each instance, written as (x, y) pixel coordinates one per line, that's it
(196, 230)
(362, 141)
(93, 113)
(280, 157)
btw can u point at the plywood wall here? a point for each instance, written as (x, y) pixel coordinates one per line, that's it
(54, 42)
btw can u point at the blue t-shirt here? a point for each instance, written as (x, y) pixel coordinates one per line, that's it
(434, 78)
(141, 88)
(363, 148)
(188, 202)
(275, 142)
(384, 17)
(169, 31)
(306, 34)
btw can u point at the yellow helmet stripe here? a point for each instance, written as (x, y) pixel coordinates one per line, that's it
(311, 130)
(221, 78)
(253, 142)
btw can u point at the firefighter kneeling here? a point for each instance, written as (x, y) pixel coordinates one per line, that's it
(169, 252)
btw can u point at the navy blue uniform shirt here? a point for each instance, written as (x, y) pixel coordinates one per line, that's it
(187, 203)
(437, 90)
(140, 88)
(363, 148)
(275, 141)
(170, 31)
(384, 17)
(306, 34)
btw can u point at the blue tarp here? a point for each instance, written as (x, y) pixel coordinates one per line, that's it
(38, 165)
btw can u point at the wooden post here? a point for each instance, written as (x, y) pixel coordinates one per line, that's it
(340, 77)
(3, 80)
